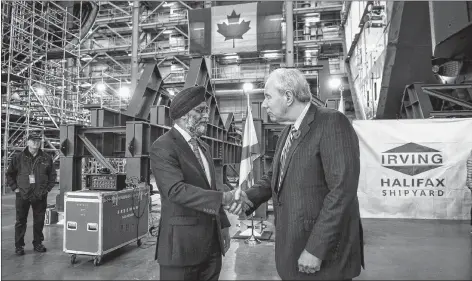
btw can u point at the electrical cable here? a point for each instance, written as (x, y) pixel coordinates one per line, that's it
(137, 208)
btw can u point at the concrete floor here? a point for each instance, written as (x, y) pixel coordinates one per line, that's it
(395, 249)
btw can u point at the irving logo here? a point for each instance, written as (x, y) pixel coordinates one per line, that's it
(412, 159)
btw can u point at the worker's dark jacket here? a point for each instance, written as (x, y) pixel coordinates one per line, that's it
(22, 165)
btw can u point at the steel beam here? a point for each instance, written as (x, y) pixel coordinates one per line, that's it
(146, 92)
(453, 114)
(153, 11)
(118, 8)
(96, 154)
(407, 55)
(181, 62)
(185, 5)
(448, 98)
(101, 130)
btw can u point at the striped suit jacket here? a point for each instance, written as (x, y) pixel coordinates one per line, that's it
(316, 207)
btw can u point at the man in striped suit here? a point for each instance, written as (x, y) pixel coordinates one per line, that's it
(313, 183)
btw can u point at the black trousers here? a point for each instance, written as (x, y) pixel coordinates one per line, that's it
(208, 270)
(22, 210)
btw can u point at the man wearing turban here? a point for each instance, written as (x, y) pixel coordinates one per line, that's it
(193, 231)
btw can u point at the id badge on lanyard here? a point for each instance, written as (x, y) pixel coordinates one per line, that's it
(32, 179)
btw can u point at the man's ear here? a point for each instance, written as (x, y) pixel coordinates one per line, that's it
(289, 97)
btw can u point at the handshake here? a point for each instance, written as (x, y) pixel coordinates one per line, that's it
(236, 201)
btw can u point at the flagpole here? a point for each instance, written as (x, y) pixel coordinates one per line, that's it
(252, 240)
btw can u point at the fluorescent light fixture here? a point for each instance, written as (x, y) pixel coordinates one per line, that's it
(199, 28)
(168, 31)
(167, 4)
(334, 83)
(277, 19)
(231, 57)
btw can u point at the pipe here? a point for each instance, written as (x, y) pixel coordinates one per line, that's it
(289, 40)
(92, 15)
(134, 46)
(239, 92)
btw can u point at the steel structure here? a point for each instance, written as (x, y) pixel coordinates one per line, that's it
(126, 35)
(129, 135)
(40, 70)
(451, 65)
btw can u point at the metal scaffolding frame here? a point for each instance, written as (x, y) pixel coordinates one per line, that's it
(40, 71)
(158, 22)
(51, 69)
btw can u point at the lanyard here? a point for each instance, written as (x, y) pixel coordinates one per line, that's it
(34, 164)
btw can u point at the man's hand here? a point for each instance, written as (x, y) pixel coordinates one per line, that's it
(229, 198)
(17, 190)
(226, 239)
(243, 204)
(308, 263)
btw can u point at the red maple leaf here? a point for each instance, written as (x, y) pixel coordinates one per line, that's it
(235, 29)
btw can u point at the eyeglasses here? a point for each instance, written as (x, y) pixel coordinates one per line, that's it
(202, 109)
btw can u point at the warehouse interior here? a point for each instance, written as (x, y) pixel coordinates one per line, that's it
(96, 78)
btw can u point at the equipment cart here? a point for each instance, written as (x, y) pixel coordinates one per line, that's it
(98, 222)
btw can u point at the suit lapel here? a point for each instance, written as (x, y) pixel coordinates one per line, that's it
(304, 129)
(188, 153)
(277, 155)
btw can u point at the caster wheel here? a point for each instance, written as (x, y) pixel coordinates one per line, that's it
(139, 243)
(97, 260)
(73, 259)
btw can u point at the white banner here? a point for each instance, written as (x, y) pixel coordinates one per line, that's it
(414, 168)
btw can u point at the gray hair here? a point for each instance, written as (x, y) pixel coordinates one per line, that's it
(291, 79)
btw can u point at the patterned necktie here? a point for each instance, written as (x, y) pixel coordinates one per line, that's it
(285, 150)
(195, 145)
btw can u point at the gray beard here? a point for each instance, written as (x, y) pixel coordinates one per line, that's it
(192, 127)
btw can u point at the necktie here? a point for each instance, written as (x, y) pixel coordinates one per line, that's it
(285, 150)
(194, 143)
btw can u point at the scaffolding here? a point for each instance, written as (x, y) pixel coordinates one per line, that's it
(40, 71)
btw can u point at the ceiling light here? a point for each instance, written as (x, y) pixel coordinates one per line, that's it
(334, 83)
(124, 92)
(101, 87)
(247, 87)
(40, 91)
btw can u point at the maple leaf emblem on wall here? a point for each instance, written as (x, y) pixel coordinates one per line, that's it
(235, 29)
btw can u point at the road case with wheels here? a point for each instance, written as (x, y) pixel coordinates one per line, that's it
(98, 222)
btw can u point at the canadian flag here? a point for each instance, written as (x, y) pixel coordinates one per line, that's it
(239, 28)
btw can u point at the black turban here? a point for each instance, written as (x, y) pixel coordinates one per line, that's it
(186, 100)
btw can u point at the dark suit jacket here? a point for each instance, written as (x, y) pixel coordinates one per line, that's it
(316, 207)
(191, 212)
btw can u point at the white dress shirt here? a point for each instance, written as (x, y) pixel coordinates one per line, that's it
(187, 137)
(300, 118)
